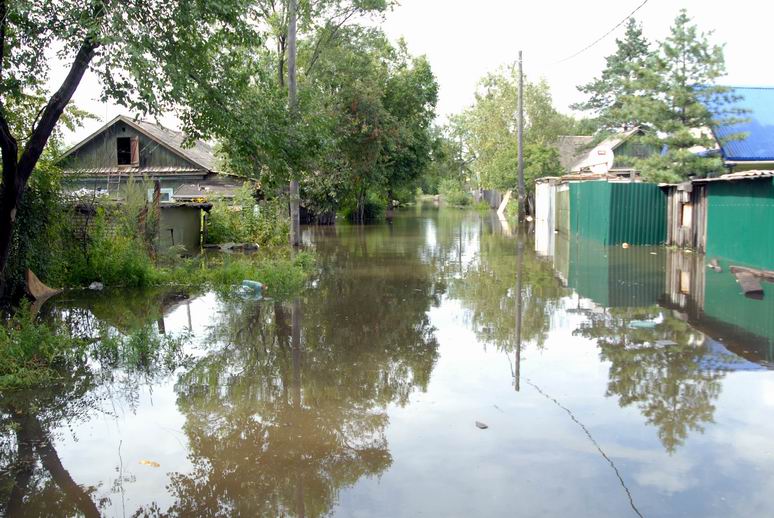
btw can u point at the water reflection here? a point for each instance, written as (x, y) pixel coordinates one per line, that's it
(360, 396)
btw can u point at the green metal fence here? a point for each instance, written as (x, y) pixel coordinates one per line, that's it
(614, 213)
(740, 222)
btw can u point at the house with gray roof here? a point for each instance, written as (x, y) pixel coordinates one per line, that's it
(127, 148)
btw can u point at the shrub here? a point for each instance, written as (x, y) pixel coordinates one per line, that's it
(374, 207)
(247, 221)
(453, 193)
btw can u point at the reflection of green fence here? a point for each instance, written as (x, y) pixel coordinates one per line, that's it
(724, 301)
(740, 222)
(614, 213)
(614, 277)
(563, 211)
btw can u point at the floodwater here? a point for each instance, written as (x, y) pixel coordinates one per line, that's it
(610, 382)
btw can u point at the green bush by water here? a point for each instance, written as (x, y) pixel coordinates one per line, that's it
(453, 193)
(247, 221)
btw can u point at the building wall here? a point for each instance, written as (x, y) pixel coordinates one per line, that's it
(180, 226)
(740, 222)
(101, 151)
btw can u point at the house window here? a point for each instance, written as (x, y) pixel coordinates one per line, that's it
(166, 194)
(128, 151)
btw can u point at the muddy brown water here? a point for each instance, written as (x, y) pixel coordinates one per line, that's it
(435, 366)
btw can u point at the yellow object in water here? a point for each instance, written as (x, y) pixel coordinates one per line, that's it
(150, 463)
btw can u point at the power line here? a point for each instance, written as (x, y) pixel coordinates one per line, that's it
(608, 33)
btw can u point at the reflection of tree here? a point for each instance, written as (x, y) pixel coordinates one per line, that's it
(33, 479)
(657, 368)
(283, 412)
(487, 290)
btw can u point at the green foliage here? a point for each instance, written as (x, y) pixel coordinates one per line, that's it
(282, 275)
(490, 131)
(370, 209)
(247, 221)
(453, 193)
(613, 96)
(672, 94)
(32, 353)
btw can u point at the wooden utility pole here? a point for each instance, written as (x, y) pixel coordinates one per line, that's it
(522, 191)
(295, 225)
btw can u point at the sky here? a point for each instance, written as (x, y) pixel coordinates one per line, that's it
(466, 39)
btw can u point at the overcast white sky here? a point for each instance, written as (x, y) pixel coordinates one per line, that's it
(465, 39)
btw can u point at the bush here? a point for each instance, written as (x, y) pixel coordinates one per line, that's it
(247, 221)
(453, 193)
(374, 207)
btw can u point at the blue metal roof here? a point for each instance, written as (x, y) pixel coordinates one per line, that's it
(758, 144)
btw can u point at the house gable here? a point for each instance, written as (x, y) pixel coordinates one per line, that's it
(158, 152)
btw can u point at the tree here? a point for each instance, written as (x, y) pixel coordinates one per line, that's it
(612, 95)
(489, 127)
(684, 104)
(135, 50)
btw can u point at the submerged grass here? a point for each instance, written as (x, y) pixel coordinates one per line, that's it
(32, 352)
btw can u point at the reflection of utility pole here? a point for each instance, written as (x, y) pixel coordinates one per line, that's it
(522, 193)
(295, 317)
(519, 267)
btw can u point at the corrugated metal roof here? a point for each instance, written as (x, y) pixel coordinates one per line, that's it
(758, 144)
(741, 175)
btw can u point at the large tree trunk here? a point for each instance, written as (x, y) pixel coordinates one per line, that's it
(16, 174)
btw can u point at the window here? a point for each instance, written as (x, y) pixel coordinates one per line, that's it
(166, 194)
(128, 151)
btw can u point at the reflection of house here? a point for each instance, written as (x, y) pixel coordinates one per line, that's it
(713, 303)
(125, 148)
(730, 218)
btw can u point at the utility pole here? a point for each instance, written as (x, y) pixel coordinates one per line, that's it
(522, 191)
(295, 226)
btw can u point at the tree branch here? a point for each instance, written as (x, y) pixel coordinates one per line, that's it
(318, 46)
(55, 107)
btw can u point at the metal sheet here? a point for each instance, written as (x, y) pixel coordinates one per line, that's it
(740, 222)
(614, 213)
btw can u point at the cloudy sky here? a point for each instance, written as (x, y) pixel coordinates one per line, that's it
(465, 39)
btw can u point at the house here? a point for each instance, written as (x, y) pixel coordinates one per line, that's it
(571, 149)
(749, 144)
(128, 148)
(614, 155)
(730, 218)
